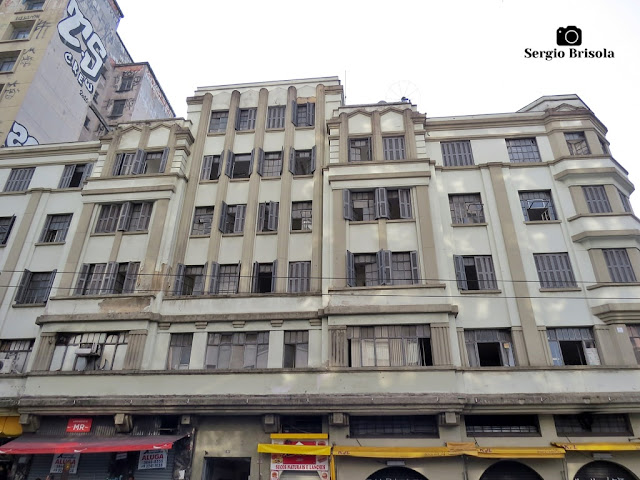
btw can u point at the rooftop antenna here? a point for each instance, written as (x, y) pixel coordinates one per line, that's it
(345, 87)
(403, 91)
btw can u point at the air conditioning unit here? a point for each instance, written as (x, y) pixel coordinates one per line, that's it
(8, 365)
(94, 350)
(271, 423)
(449, 419)
(339, 419)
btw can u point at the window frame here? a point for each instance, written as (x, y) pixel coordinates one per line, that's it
(378, 205)
(25, 294)
(299, 278)
(257, 356)
(299, 212)
(634, 337)
(585, 419)
(523, 150)
(202, 216)
(221, 119)
(577, 143)
(102, 351)
(394, 148)
(235, 224)
(366, 346)
(211, 167)
(180, 345)
(555, 270)
(295, 349)
(596, 198)
(72, 177)
(17, 350)
(492, 426)
(303, 114)
(190, 280)
(117, 110)
(384, 268)
(408, 426)
(219, 277)
(5, 230)
(569, 336)
(268, 214)
(489, 282)
(246, 119)
(360, 153)
(619, 265)
(126, 83)
(258, 282)
(276, 117)
(457, 153)
(111, 278)
(60, 234)
(19, 179)
(502, 337)
(464, 208)
(528, 205)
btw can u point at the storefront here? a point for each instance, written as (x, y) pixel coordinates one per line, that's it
(10, 428)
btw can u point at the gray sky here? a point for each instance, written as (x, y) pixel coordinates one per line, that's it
(450, 57)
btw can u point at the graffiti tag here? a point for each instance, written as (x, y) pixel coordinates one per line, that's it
(10, 90)
(19, 137)
(75, 68)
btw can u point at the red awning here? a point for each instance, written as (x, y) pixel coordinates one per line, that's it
(34, 444)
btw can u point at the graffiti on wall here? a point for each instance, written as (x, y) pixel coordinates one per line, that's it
(11, 89)
(19, 137)
(27, 57)
(41, 28)
(93, 52)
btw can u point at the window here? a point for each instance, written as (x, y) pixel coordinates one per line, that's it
(302, 162)
(596, 198)
(296, 349)
(466, 209)
(202, 221)
(118, 108)
(502, 425)
(537, 206)
(577, 143)
(389, 346)
(141, 162)
(232, 218)
(475, 272)
(592, 424)
(554, 270)
(189, 279)
(89, 351)
(299, 277)
(35, 287)
(6, 224)
(360, 150)
(275, 116)
(126, 217)
(382, 268)
(573, 346)
(270, 163)
(634, 336)
(21, 31)
(211, 167)
(264, 277)
(268, 217)
(301, 424)
(224, 278)
(489, 348)
(619, 265)
(107, 278)
(87, 122)
(180, 351)
(301, 216)
(457, 154)
(523, 150)
(605, 146)
(387, 203)
(126, 83)
(8, 61)
(303, 114)
(393, 148)
(246, 119)
(393, 426)
(19, 179)
(218, 122)
(239, 166)
(34, 4)
(55, 229)
(74, 176)
(14, 355)
(626, 203)
(237, 350)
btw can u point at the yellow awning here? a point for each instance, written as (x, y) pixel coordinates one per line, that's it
(519, 452)
(395, 452)
(600, 447)
(10, 427)
(294, 449)
(300, 436)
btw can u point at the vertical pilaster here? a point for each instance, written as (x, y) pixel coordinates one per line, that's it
(149, 278)
(517, 337)
(316, 204)
(422, 211)
(376, 137)
(409, 136)
(72, 264)
(344, 138)
(339, 242)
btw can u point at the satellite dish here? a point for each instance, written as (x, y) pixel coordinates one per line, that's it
(403, 91)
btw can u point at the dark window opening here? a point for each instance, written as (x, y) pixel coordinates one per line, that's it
(587, 424)
(241, 166)
(426, 357)
(489, 354)
(301, 424)
(573, 353)
(502, 425)
(472, 277)
(394, 426)
(265, 278)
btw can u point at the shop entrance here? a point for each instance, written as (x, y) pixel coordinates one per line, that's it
(602, 470)
(227, 469)
(509, 470)
(396, 473)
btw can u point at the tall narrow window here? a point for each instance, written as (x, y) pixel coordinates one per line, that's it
(466, 209)
(303, 114)
(475, 272)
(489, 348)
(302, 162)
(232, 218)
(301, 216)
(202, 221)
(218, 122)
(299, 277)
(573, 346)
(56, 228)
(264, 277)
(275, 116)
(523, 150)
(296, 349)
(457, 154)
(360, 150)
(537, 206)
(577, 143)
(619, 265)
(246, 119)
(224, 278)
(118, 108)
(554, 270)
(180, 351)
(126, 83)
(393, 148)
(270, 164)
(6, 224)
(14, 355)
(596, 198)
(74, 176)
(634, 336)
(211, 167)
(626, 203)
(189, 279)
(34, 287)
(268, 216)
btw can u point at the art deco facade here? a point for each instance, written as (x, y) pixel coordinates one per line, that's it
(281, 283)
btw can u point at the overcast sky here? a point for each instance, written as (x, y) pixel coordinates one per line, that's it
(450, 57)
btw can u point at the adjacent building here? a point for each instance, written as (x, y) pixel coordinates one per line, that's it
(285, 286)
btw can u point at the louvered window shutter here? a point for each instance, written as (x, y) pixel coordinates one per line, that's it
(292, 160)
(47, 291)
(274, 275)
(238, 226)
(486, 275)
(125, 217)
(223, 217)
(404, 196)
(260, 161)
(311, 114)
(163, 161)
(214, 280)
(351, 270)
(472, 348)
(313, 158)
(131, 277)
(261, 213)
(82, 279)
(117, 166)
(45, 230)
(23, 289)
(88, 168)
(4, 237)
(109, 279)
(251, 123)
(255, 271)
(347, 206)
(619, 265)
(383, 258)
(138, 162)
(65, 181)
(415, 267)
(207, 163)
(145, 216)
(597, 200)
(305, 274)
(253, 154)
(294, 277)
(178, 279)
(461, 276)
(272, 221)
(294, 112)
(228, 170)
(198, 285)
(382, 207)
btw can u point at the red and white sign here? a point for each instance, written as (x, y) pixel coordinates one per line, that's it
(153, 459)
(310, 463)
(79, 425)
(61, 459)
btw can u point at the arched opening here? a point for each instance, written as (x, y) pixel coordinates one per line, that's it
(510, 470)
(601, 470)
(396, 473)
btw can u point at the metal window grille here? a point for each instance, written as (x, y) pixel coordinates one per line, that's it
(139, 217)
(296, 349)
(596, 198)
(275, 116)
(272, 164)
(19, 179)
(56, 228)
(18, 351)
(587, 424)
(393, 148)
(634, 336)
(202, 219)
(246, 119)
(228, 278)
(393, 426)
(393, 345)
(502, 425)
(363, 206)
(457, 154)
(466, 208)
(523, 150)
(554, 270)
(218, 122)
(360, 150)
(237, 350)
(180, 351)
(299, 277)
(6, 224)
(537, 206)
(577, 143)
(619, 265)
(301, 216)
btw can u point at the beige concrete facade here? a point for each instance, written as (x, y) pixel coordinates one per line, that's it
(281, 262)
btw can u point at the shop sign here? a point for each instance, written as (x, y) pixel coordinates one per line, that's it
(79, 425)
(61, 459)
(309, 463)
(153, 459)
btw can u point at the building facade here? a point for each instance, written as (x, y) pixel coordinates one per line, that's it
(285, 286)
(65, 74)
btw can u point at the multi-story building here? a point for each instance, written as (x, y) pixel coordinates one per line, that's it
(285, 286)
(65, 74)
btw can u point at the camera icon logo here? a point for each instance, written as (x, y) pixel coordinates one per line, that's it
(569, 37)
